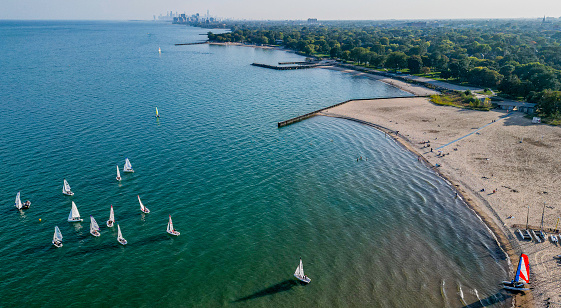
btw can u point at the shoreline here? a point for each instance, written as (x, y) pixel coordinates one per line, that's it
(478, 204)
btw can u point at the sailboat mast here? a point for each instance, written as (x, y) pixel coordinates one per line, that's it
(543, 211)
(527, 216)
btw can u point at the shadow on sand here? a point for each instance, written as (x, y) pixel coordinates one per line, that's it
(277, 288)
(490, 300)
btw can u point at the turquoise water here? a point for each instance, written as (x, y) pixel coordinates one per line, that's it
(249, 199)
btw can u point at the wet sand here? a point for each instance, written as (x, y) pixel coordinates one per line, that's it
(517, 163)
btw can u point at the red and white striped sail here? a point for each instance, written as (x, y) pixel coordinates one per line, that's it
(523, 272)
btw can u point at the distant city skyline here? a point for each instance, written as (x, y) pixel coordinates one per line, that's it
(279, 10)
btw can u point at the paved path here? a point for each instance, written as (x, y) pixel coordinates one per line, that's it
(473, 132)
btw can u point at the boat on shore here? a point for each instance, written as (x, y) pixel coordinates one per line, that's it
(522, 276)
(128, 166)
(120, 237)
(66, 189)
(143, 209)
(74, 215)
(94, 227)
(111, 221)
(118, 174)
(171, 230)
(57, 238)
(299, 273)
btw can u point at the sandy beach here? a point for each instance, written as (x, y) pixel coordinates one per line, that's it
(500, 164)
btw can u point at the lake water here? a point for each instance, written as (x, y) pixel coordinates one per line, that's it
(249, 199)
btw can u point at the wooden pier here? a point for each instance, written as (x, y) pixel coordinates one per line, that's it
(283, 68)
(314, 113)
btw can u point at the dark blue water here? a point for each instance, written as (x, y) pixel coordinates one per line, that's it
(77, 98)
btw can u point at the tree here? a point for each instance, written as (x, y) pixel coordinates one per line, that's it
(548, 102)
(483, 76)
(396, 60)
(415, 64)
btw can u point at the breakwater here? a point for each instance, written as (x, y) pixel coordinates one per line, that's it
(314, 113)
(283, 68)
(196, 43)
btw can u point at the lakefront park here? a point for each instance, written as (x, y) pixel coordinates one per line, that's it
(197, 161)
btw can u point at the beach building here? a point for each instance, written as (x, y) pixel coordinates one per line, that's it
(525, 107)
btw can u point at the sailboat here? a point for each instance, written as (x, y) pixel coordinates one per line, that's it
(299, 273)
(19, 205)
(522, 273)
(66, 189)
(127, 167)
(159, 50)
(74, 215)
(57, 238)
(94, 227)
(143, 209)
(157, 113)
(118, 174)
(111, 220)
(120, 237)
(170, 229)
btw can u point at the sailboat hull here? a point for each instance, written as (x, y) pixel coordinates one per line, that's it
(305, 280)
(122, 241)
(176, 233)
(95, 233)
(68, 193)
(25, 205)
(118, 178)
(110, 224)
(129, 170)
(145, 210)
(75, 220)
(516, 288)
(57, 244)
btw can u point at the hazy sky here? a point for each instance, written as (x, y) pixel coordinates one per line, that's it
(286, 9)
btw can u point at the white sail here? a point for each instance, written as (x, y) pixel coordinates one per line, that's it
(74, 214)
(142, 207)
(170, 225)
(128, 166)
(66, 186)
(93, 225)
(18, 204)
(118, 174)
(112, 215)
(57, 237)
(119, 234)
(299, 270)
